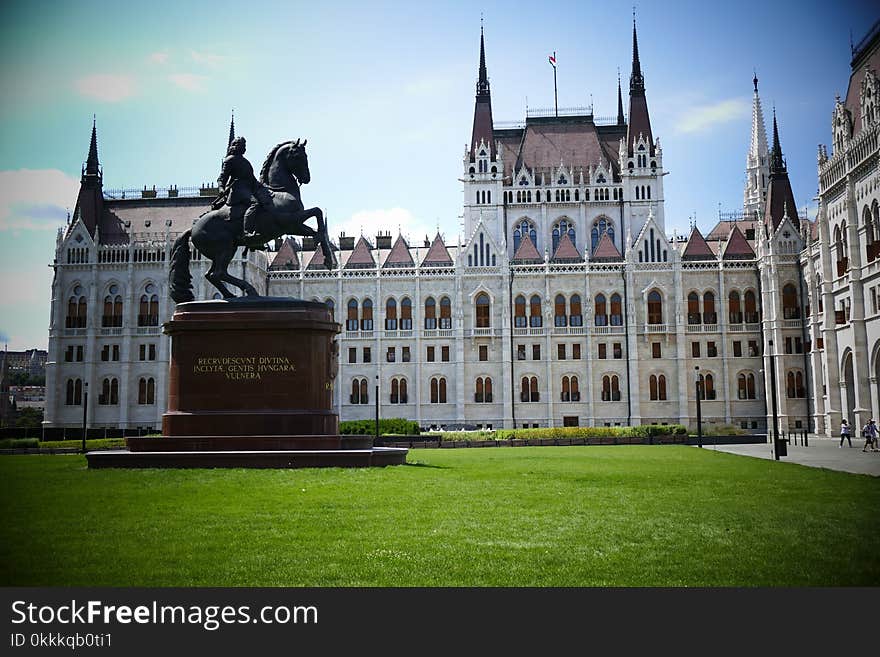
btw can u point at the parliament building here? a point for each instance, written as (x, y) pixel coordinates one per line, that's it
(565, 302)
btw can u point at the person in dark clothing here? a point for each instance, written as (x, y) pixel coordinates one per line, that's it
(844, 433)
(239, 186)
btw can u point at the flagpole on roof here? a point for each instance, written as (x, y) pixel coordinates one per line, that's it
(555, 97)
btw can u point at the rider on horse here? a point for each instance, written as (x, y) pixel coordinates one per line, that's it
(237, 187)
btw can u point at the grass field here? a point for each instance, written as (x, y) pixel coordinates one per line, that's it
(530, 516)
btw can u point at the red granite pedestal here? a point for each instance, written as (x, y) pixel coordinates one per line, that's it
(250, 385)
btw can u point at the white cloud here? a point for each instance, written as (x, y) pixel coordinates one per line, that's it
(109, 88)
(209, 59)
(702, 118)
(371, 222)
(188, 81)
(160, 57)
(35, 199)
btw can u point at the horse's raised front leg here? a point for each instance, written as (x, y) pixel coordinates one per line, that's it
(241, 284)
(215, 276)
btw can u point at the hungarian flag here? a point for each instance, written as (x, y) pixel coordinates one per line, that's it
(553, 60)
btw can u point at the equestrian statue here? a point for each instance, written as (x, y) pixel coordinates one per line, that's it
(249, 213)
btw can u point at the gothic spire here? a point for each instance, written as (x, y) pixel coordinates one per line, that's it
(758, 142)
(757, 159)
(639, 121)
(620, 119)
(777, 164)
(92, 165)
(779, 193)
(482, 130)
(231, 129)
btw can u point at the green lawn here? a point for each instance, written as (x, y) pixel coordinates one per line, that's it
(529, 516)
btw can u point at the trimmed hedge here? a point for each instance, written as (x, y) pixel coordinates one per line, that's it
(16, 443)
(394, 425)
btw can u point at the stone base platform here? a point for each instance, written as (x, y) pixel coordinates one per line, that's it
(301, 458)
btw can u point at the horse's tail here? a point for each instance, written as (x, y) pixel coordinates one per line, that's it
(179, 278)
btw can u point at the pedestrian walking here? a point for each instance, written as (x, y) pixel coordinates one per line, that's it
(870, 433)
(844, 433)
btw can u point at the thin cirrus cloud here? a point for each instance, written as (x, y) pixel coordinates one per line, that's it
(188, 81)
(106, 87)
(705, 117)
(160, 57)
(207, 58)
(35, 199)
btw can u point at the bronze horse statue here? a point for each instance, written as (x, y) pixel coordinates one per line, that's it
(218, 238)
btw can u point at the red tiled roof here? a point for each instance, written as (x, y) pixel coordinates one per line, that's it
(605, 249)
(361, 256)
(696, 248)
(566, 250)
(526, 251)
(738, 246)
(723, 228)
(286, 257)
(317, 261)
(399, 254)
(437, 254)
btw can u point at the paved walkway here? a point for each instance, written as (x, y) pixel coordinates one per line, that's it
(821, 452)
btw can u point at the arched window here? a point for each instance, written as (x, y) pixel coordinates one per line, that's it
(146, 390)
(533, 389)
(709, 314)
(600, 313)
(359, 391)
(535, 318)
(519, 311)
(694, 308)
(734, 308)
(430, 313)
(789, 386)
(112, 316)
(707, 386)
(438, 390)
(575, 391)
(391, 314)
(566, 390)
(148, 313)
(73, 391)
(615, 388)
(652, 387)
(479, 390)
(750, 303)
(616, 310)
(559, 316)
(563, 227)
(406, 314)
(76, 309)
(576, 316)
(746, 385)
(790, 306)
(367, 315)
(794, 387)
(398, 391)
(351, 321)
(331, 306)
(655, 308)
(522, 230)
(109, 392)
(606, 388)
(445, 313)
(482, 304)
(661, 387)
(601, 226)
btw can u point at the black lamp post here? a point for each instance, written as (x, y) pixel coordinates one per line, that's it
(699, 388)
(377, 408)
(85, 413)
(773, 397)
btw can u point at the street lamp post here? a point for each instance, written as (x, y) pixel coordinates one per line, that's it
(377, 408)
(85, 413)
(699, 389)
(773, 398)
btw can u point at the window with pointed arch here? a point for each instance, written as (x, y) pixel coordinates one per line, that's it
(709, 314)
(610, 387)
(445, 313)
(73, 390)
(331, 306)
(430, 313)
(398, 391)
(655, 307)
(601, 226)
(560, 228)
(794, 385)
(750, 306)
(707, 387)
(109, 392)
(406, 314)
(367, 315)
(559, 316)
(482, 310)
(112, 316)
(438, 390)
(146, 391)
(536, 319)
(391, 314)
(693, 308)
(529, 389)
(600, 310)
(576, 312)
(616, 310)
(525, 228)
(841, 247)
(657, 387)
(148, 312)
(359, 391)
(745, 385)
(570, 391)
(790, 307)
(483, 390)
(351, 319)
(519, 312)
(734, 308)
(76, 309)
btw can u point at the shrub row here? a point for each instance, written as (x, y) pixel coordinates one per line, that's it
(16, 443)
(91, 443)
(641, 431)
(393, 425)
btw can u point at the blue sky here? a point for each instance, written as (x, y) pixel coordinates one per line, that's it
(384, 92)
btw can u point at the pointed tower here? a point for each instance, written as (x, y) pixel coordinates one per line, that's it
(779, 194)
(757, 161)
(231, 130)
(482, 130)
(90, 200)
(620, 118)
(639, 121)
